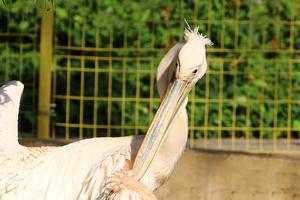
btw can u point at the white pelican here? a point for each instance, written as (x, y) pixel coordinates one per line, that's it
(105, 168)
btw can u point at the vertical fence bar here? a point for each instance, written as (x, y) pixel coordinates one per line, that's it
(45, 75)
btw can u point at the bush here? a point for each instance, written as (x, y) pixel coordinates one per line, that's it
(250, 89)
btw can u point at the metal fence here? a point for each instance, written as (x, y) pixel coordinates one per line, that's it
(104, 65)
(19, 60)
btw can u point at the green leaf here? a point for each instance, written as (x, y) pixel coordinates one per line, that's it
(260, 83)
(296, 124)
(60, 12)
(24, 25)
(78, 19)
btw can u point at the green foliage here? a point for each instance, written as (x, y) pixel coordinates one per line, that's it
(19, 55)
(39, 6)
(253, 77)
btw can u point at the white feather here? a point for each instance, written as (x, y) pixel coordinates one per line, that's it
(190, 35)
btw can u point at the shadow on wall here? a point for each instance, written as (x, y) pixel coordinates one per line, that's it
(219, 175)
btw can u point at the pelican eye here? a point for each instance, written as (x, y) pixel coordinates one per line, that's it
(195, 71)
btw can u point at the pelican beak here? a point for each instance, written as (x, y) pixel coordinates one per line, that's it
(170, 105)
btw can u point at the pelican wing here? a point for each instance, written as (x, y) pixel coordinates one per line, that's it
(80, 170)
(16, 166)
(10, 95)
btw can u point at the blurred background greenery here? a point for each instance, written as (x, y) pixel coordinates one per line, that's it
(106, 53)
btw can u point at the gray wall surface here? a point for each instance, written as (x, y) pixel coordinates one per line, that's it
(217, 175)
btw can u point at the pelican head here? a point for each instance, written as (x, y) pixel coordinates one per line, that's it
(191, 61)
(190, 66)
(180, 69)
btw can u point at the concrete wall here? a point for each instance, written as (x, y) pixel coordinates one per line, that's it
(213, 175)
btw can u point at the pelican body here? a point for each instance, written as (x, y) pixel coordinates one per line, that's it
(105, 168)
